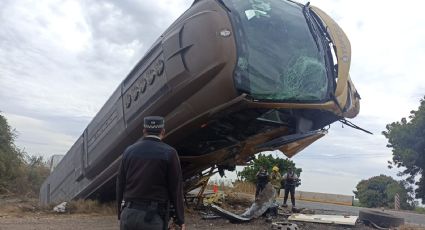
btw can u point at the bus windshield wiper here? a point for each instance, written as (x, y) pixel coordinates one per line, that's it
(311, 26)
(323, 33)
(318, 29)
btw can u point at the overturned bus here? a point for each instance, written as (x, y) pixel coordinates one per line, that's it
(232, 78)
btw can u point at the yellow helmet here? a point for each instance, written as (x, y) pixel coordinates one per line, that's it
(275, 168)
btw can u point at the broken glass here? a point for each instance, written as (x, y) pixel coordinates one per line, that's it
(279, 59)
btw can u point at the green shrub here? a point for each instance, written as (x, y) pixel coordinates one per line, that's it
(379, 191)
(268, 161)
(20, 174)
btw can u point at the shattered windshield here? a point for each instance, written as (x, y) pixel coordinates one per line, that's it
(278, 58)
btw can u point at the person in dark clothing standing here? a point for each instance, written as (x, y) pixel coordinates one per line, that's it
(262, 180)
(290, 179)
(149, 178)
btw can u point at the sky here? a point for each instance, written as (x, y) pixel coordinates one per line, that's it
(61, 60)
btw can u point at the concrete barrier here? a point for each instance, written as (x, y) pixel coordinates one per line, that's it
(321, 197)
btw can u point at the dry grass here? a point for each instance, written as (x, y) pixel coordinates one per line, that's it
(220, 187)
(91, 207)
(241, 199)
(411, 227)
(17, 206)
(13, 205)
(240, 196)
(243, 187)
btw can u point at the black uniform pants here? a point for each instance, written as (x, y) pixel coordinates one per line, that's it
(259, 188)
(135, 219)
(289, 189)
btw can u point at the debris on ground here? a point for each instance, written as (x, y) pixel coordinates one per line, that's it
(213, 198)
(90, 215)
(325, 219)
(60, 208)
(232, 217)
(264, 202)
(380, 220)
(306, 211)
(284, 226)
(209, 215)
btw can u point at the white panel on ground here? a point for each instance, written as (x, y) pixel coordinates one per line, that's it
(326, 219)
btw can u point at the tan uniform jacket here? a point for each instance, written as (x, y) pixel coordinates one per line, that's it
(275, 179)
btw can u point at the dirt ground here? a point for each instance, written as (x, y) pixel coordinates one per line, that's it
(24, 213)
(97, 222)
(17, 214)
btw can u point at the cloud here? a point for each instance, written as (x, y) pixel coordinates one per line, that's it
(66, 58)
(388, 46)
(61, 60)
(43, 138)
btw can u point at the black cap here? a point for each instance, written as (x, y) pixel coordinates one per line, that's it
(153, 123)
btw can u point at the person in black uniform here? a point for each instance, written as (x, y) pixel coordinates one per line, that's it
(290, 179)
(262, 180)
(149, 178)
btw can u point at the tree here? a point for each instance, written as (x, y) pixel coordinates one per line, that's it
(407, 140)
(10, 157)
(268, 161)
(379, 191)
(19, 173)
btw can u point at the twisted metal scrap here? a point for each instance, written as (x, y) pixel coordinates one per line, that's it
(264, 201)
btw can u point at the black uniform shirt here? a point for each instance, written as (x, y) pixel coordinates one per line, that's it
(262, 178)
(290, 179)
(150, 170)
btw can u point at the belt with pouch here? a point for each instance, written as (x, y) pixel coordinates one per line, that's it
(151, 208)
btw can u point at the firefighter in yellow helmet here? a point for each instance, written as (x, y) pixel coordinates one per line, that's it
(275, 179)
